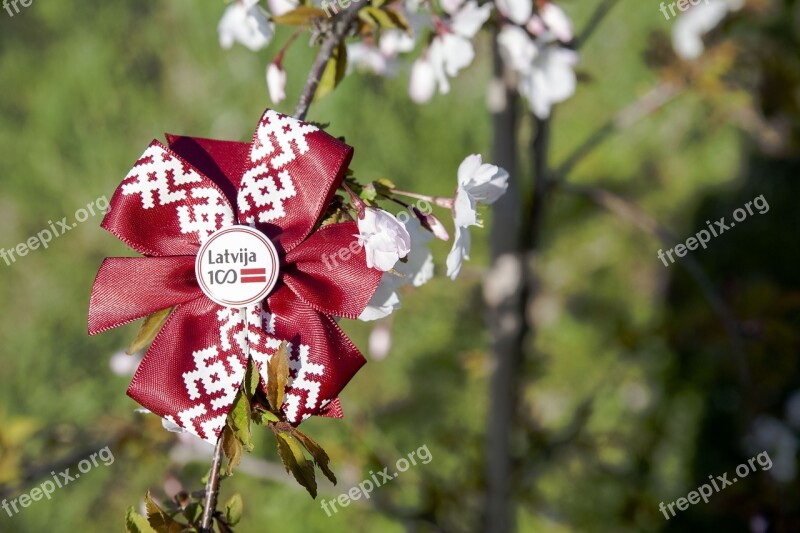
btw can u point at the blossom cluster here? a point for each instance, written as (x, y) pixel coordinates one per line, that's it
(535, 38)
(534, 41)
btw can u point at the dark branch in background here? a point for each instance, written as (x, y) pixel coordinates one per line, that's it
(634, 214)
(509, 287)
(341, 25)
(37, 473)
(503, 306)
(594, 22)
(653, 100)
(212, 490)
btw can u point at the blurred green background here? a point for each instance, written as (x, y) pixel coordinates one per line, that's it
(632, 392)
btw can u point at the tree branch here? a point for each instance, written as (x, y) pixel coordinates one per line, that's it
(504, 305)
(597, 17)
(341, 25)
(633, 213)
(652, 101)
(212, 490)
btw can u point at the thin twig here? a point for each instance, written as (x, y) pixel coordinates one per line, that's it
(653, 100)
(341, 25)
(597, 17)
(633, 213)
(213, 482)
(212, 490)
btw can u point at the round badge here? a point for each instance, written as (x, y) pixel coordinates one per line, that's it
(237, 266)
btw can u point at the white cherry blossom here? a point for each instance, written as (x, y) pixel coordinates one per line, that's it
(276, 83)
(459, 252)
(478, 182)
(385, 300)
(394, 42)
(545, 68)
(517, 48)
(551, 79)
(281, 7)
(416, 271)
(517, 11)
(450, 51)
(557, 21)
(422, 82)
(246, 23)
(384, 238)
(691, 26)
(362, 56)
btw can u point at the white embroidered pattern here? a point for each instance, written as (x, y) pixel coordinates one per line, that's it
(283, 131)
(205, 218)
(213, 384)
(279, 140)
(304, 372)
(162, 179)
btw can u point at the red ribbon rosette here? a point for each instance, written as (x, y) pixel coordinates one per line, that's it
(173, 200)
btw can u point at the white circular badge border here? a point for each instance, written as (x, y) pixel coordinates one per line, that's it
(273, 252)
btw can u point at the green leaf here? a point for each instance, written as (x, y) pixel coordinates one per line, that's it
(239, 419)
(193, 512)
(376, 17)
(399, 20)
(387, 184)
(158, 519)
(277, 377)
(232, 449)
(263, 418)
(252, 379)
(317, 452)
(233, 510)
(295, 462)
(136, 523)
(369, 193)
(151, 325)
(299, 16)
(334, 72)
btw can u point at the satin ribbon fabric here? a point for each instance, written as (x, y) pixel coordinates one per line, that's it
(175, 198)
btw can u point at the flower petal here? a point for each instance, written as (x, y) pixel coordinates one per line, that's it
(465, 210)
(329, 272)
(470, 18)
(291, 175)
(246, 23)
(517, 11)
(165, 207)
(385, 301)
(276, 83)
(422, 82)
(556, 21)
(459, 252)
(128, 288)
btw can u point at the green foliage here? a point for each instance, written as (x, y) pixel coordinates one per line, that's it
(160, 520)
(299, 16)
(277, 377)
(625, 402)
(136, 523)
(233, 510)
(334, 72)
(150, 327)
